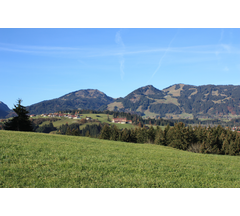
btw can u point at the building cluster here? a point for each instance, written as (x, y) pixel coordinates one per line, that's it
(58, 115)
(236, 129)
(121, 121)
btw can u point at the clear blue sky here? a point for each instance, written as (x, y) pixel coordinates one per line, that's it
(42, 64)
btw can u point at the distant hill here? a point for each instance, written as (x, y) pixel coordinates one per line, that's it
(4, 107)
(4, 110)
(83, 99)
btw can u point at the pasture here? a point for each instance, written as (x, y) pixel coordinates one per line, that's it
(100, 117)
(34, 160)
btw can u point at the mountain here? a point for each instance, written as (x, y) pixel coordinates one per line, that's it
(208, 100)
(4, 110)
(176, 101)
(83, 99)
(182, 101)
(138, 100)
(4, 107)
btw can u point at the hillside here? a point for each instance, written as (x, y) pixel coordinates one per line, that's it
(182, 101)
(4, 107)
(40, 160)
(82, 99)
(4, 110)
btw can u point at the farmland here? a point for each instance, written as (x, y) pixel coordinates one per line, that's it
(102, 118)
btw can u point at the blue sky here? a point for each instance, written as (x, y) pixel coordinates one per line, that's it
(42, 64)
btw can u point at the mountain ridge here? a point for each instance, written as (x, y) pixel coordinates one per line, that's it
(4, 110)
(80, 99)
(176, 101)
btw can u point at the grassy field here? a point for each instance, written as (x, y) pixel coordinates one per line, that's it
(53, 161)
(104, 119)
(101, 117)
(60, 122)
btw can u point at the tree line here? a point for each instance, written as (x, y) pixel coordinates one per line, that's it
(198, 139)
(209, 140)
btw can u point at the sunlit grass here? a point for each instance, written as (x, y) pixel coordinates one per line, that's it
(43, 160)
(103, 118)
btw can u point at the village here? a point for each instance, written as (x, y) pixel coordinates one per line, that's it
(78, 116)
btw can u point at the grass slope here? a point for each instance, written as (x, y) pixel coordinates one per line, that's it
(103, 118)
(43, 160)
(100, 117)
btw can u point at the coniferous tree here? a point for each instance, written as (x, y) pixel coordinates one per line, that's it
(141, 135)
(134, 135)
(160, 138)
(189, 136)
(87, 134)
(226, 137)
(234, 147)
(114, 133)
(20, 122)
(126, 135)
(182, 136)
(212, 144)
(106, 132)
(151, 134)
(225, 147)
(167, 134)
(47, 128)
(200, 133)
(178, 136)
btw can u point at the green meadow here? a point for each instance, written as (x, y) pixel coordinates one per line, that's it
(35, 160)
(100, 117)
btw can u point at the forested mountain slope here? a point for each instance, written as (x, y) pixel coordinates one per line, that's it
(82, 99)
(206, 100)
(4, 110)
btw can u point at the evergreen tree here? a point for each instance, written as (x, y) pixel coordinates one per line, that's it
(106, 132)
(234, 147)
(151, 134)
(114, 133)
(226, 137)
(160, 138)
(200, 133)
(225, 147)
(213, 143)
(69, 132)
(47, 128)
(126, 135)
(141, 135)
(134, 135)
(167, 133)
(20, 122)
(87, 134)
(182, 136)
